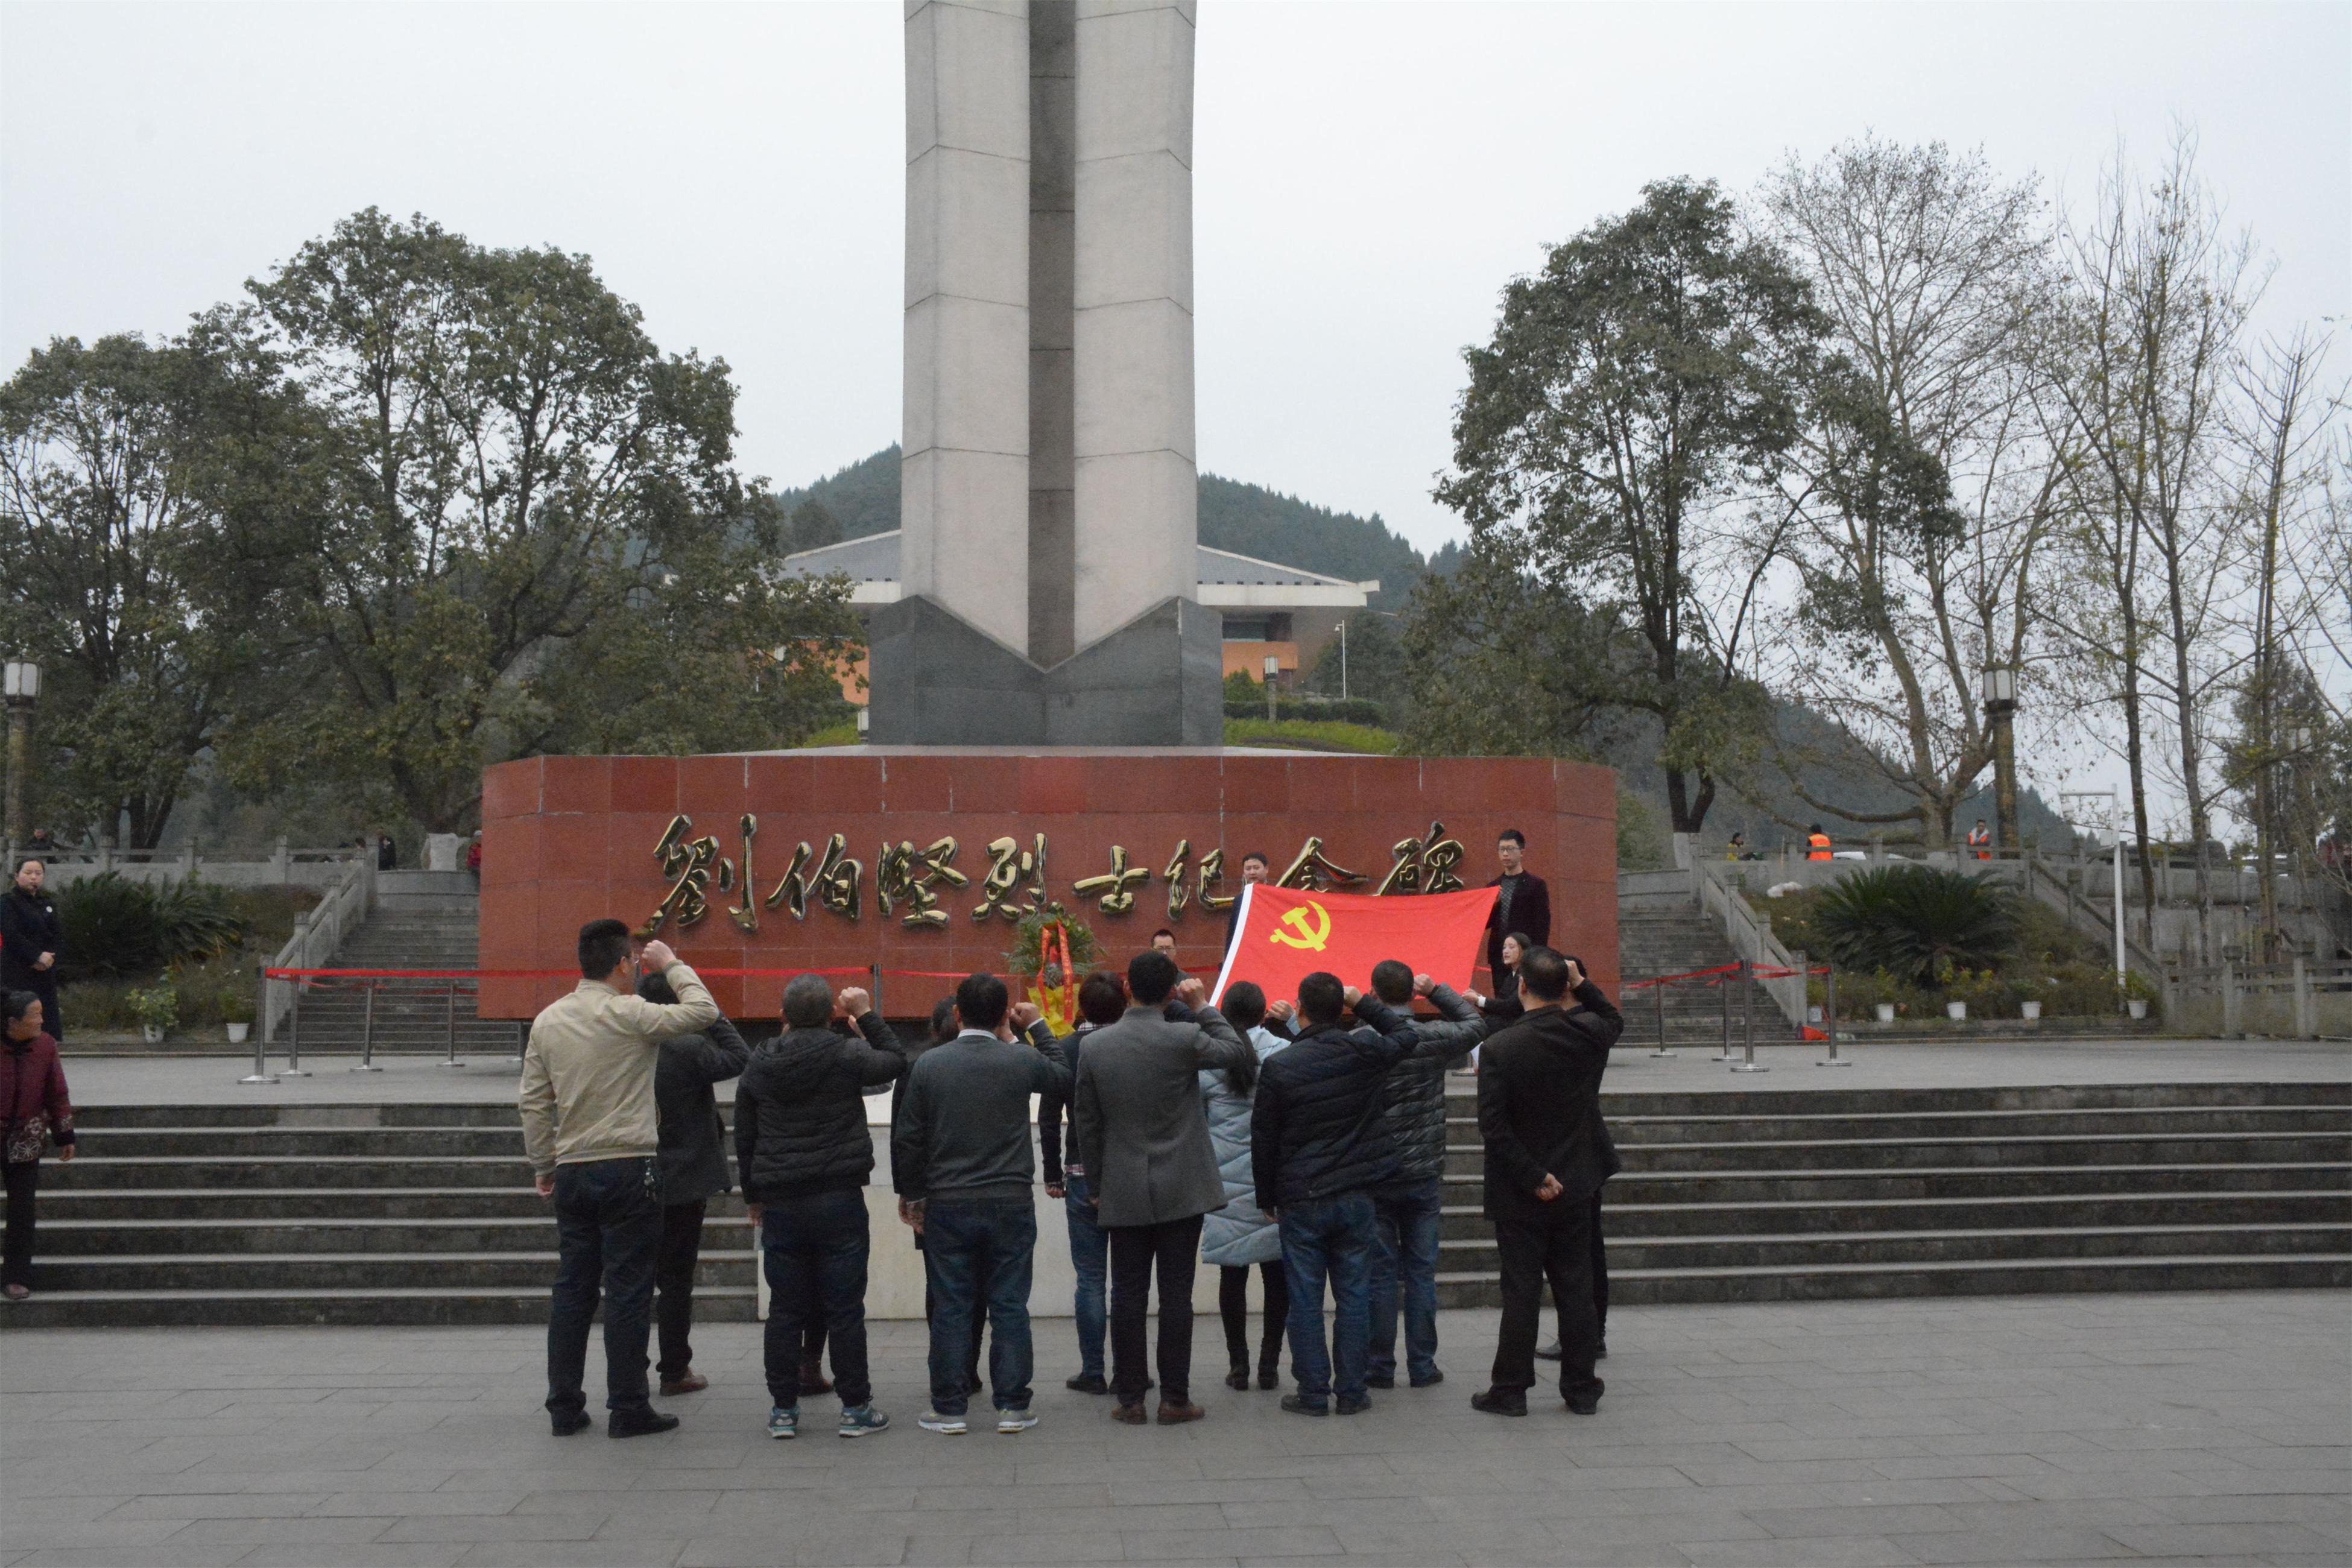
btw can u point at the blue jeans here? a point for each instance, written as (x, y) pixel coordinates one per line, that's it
(1090, 1257)
(1329, 1238)
(608, 1227)
(1405, 1222)
(977, 1256)
(815, 1249)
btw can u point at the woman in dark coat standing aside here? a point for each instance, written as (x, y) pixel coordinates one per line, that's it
(32, 940)
(33, 1099)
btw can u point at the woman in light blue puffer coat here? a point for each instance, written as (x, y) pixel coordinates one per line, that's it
(1239, 1235)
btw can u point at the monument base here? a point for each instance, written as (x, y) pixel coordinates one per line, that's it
(935, 679)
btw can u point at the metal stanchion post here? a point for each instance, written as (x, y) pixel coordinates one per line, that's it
(1830, 1016)
(367, 1030)
(450, 1022)
(1659, 986)
(521, 1037)
(293, 1068)
(1723, 985)
(260, 1073)
(1747, 1017)
(873, 979)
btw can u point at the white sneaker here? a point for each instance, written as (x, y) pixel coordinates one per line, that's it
(932, 1421)
(1010, 1421)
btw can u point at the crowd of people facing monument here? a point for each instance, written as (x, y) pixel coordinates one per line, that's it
(1303, 1137)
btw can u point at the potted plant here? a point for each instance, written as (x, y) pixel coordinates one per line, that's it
(2028, 999)
(237, 1013)
(2138, 992)
(157, 1009)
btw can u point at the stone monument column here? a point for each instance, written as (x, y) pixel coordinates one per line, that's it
(1049, 573)
(964, 455)
(1138, 492)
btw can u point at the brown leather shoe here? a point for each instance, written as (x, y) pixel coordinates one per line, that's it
(1177, 1415)
(813, 1378)
(692, 1383)
(1128, 1415)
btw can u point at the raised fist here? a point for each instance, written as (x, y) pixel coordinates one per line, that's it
(854, 1003)
(1026, 1013)
(1423, 984)
(1192, 991)
(657, 957)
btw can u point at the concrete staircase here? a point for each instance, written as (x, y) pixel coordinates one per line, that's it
(323, 1214)
(1660, 932)
(422, 919)
(1799, 1195)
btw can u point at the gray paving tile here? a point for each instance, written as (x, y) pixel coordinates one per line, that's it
(1810, 1552)
(2192, 1540)
(2023, 1545)
(405, 1554)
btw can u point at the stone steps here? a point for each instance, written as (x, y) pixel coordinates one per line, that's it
(1766, 1196)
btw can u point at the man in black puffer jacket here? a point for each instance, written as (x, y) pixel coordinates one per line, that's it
(1408, 1211)
(804, 1151)
(1319, 1147)
(693, 1171)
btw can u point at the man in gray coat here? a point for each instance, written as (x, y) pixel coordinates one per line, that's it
(1137, 1104)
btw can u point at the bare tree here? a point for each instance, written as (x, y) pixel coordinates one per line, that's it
(1930, 486)
(2280, 431)
(2160, 295)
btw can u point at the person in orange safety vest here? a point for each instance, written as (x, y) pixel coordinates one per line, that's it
(1980, 840)
(1818, 844)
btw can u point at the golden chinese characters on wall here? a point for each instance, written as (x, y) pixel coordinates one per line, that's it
(909, 882)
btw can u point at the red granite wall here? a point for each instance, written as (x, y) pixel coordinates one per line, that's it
(568, 840)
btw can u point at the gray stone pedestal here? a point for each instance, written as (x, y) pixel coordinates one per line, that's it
(937, 680)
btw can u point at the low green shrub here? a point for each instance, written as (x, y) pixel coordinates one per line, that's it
(115, 926)
(1917, 922)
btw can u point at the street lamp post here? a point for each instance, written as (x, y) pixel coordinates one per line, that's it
(23, 689)
(2000, 713)
(1273, 668)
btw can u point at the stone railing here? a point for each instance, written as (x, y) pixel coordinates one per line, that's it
(318, 933)
(283, 866)
(1749, 933)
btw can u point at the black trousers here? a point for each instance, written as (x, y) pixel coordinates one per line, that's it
(1553, 1244)
(1171, 1249)
(681, 1248)
(24, 1176)
(1233, 1306)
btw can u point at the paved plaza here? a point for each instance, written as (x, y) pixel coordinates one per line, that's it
(2208, 1428)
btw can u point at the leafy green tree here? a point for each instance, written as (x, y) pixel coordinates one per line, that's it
(526, 536)
(1374, 662)
(1617, 456)
(813, 526)
(114, 528)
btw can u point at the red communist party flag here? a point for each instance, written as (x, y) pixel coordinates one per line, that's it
(1286, 934)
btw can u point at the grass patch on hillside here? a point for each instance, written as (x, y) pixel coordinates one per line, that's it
(1322, 735)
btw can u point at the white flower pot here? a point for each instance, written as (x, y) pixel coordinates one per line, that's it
(237, 1032)
(1957, 1012)
(1886, 1012)
(150, 1034)
(2137, 1006)
(2032, 1010)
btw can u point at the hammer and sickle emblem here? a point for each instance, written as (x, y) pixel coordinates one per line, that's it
(1313, 932)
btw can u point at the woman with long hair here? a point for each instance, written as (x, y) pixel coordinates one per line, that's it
(1240, 1234)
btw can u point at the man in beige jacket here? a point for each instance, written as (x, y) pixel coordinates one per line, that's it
(592, 1135)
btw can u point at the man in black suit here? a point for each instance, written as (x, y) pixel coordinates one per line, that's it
(1547, 1153)
(1522, 902)
(1254, 866)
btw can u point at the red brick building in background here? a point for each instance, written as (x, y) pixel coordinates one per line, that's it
(570, 840)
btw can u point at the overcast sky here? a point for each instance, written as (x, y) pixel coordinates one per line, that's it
(1367, 176)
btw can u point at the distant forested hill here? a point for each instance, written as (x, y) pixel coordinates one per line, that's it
(1249, 519)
